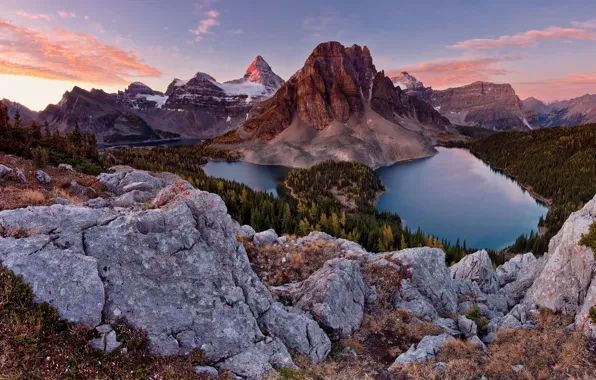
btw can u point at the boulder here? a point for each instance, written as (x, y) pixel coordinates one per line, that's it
(476, 341)
(430, 275)
(467, 326)
(66, 279)
(42, 177)
(208, 372)
(507, 272)
(20, 176)
(334, 295)
(66, 167)
(478, 268)
(563, 284)
(176, 271)
(4, 171)
(427, 349)
(411, 300)
(298, 331)
(515, 291)
(265, 238)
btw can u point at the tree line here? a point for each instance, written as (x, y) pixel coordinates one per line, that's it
(558, 163)
(45, 147)
(376, 231)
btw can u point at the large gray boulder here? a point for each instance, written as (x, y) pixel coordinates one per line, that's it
(265, 238)
(563, 284)
(334, 295)
(478, 268)
(429, 273)
(124, 179)
(175, 270)
(65, 278)
(507, 272)
(427, 349)
(297, 330)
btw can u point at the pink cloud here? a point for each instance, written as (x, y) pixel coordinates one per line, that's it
(458, 71)
(526, 39)
(65, 14)
(66, 55)
(39, 16)
(206, 24)
(589, 24)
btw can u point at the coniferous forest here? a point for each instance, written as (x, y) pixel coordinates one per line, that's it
(557, 163)
(45, 147)
(314, 210)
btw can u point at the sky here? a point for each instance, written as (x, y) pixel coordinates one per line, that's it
(544, 48)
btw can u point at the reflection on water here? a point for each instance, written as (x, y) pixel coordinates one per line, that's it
(451, 195)
(455, 195)
(257, 177)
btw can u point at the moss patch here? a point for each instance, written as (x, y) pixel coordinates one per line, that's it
(589, 239)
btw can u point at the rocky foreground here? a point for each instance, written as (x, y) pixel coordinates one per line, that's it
(166, 257)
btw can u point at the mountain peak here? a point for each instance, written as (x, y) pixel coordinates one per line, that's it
(259, 64)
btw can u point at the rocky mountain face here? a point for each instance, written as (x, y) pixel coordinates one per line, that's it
(27, 115)
(480, 104)
(576, 111)
(412, 86)
(338, 100)
(177, 270)
(198, 108)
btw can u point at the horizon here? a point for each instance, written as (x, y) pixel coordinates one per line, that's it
(47, 49)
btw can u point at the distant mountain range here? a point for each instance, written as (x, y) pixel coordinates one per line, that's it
(480, 104)
(571, 112)
(336, 106)
(197, 108)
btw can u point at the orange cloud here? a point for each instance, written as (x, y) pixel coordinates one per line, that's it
(30, 16)
(458, 71)
(526, 39)
(66, 55)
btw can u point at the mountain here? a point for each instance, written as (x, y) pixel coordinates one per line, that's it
(577, 111)
(482, 104)
(197, 108)
(338, 106)
(412, 86)
(27, 115)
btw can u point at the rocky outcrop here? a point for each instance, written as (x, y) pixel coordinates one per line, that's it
(564, 282)
(478, 268)
(334, 295)
(175, 270)
(509, 271)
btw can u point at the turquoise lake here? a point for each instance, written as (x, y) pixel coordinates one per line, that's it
(450, 195)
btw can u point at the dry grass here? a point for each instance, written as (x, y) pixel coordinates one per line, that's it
(14, 194)
(62, 193)
(277, 264)
(16, 232)
(548, 352)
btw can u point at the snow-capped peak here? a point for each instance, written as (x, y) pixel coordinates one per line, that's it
(406, 81)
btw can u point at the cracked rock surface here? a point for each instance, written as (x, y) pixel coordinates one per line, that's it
(175, 270)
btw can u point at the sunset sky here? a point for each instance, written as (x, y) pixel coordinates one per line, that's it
(544, 48)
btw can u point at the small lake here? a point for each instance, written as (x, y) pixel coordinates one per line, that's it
(257, 177)
(450, 195)
(455, 195)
